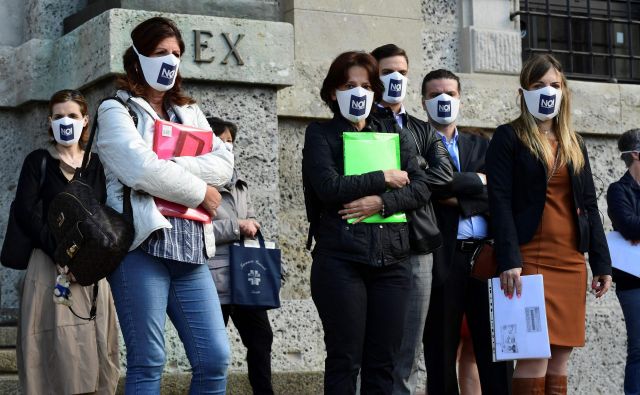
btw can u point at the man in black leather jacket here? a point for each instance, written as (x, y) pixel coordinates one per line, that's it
(424, 234)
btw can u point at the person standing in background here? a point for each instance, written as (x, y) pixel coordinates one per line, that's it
(361, 273)
(544, 216)
(393, 66)
(623, 202)
(236, 219)
(165, 272)
(57, 352)
(462, 218)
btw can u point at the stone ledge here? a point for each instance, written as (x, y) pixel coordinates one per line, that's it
(8, 335)
(410, 9)
(45, 66)
(286, 383)
(8, 363)
(9, 384)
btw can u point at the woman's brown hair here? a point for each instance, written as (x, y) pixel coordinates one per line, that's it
(339, 74)
(146, 37)
(569, 150)
(75, 96)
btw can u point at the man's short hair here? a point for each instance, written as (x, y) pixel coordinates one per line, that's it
(440, 74)
(389, 50)
(629, 141)
(219, 125)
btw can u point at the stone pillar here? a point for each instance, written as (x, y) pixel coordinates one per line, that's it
(489, 41)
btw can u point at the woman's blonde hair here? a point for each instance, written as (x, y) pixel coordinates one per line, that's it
(569, 150)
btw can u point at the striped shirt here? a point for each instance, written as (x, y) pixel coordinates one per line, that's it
(184, 242)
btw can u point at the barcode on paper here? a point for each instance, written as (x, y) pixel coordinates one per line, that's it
(533, 319)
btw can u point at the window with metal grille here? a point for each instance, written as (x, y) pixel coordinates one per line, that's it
(594, 40)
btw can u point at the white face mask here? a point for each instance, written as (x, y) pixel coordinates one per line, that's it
(67, 131)
(160, 72)
(443, 108)
(395, 87)
(543, 103)
(355, 103)
(229, 146)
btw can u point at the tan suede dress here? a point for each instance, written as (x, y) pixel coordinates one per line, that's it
(553, 252)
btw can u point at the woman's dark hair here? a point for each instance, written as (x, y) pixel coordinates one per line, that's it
(75, 96)
(219, 125)
(146, 37)
(629, 141)
(388, 51)
(339, 74)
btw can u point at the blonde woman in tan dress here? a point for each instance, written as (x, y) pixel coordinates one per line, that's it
(545, 217)
(57, 352)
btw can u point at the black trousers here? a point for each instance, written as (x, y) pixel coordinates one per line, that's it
(362, 309)
(461, 294)
(256, 335)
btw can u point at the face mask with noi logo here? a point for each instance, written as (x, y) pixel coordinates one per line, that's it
(67, 131)
(543, 103)
(160, 72)
(395, 87)
(355, 103)
(443, 108)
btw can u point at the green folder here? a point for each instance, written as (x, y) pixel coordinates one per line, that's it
(365, 152)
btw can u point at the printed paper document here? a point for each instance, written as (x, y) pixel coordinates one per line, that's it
(519, 325)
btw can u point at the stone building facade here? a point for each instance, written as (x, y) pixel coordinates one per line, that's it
(260, 63)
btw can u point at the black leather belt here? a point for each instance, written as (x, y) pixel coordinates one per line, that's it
(468, 245)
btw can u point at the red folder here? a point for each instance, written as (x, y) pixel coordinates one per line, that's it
(171, 140)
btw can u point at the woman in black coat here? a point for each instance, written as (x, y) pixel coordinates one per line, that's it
(545, 217)
(360, 274)
(623, 202)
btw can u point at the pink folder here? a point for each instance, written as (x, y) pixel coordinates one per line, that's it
(171, 140)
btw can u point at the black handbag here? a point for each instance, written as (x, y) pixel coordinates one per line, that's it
(17, 246)
(92, 238)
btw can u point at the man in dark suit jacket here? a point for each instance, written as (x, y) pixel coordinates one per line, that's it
(462, 219)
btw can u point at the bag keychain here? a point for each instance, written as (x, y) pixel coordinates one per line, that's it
(61, 291)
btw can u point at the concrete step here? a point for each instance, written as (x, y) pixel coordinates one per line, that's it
(9, 384)
(8, 362)
(284, 383)
(8, 335)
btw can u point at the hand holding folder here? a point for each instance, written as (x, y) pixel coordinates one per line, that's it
(365, 152)
(172, 140)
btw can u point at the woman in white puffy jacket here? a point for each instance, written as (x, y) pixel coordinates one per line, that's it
(165, 270)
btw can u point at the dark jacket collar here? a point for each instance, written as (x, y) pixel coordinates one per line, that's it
(628, 180)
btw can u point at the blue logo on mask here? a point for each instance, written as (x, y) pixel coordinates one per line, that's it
(444, 108)
(66, 132)
(547, 104)
(395, 88)
(167, 74)
(358, 105)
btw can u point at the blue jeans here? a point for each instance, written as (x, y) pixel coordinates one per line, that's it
(145, 289)
(630, 303)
